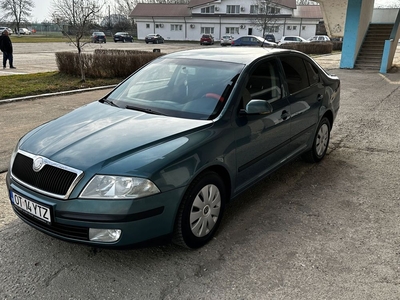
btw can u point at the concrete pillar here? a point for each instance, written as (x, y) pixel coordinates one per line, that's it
(334, 13)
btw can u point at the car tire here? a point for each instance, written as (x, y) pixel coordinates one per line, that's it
(201, 211)
(320, 143)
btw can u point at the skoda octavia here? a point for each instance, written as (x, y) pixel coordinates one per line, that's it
(162, 154)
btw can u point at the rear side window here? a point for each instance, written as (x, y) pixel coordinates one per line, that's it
(313, 75)
(295, 73)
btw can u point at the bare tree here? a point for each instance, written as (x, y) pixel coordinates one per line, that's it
(17, 10)
(75, 17)
(266, 15)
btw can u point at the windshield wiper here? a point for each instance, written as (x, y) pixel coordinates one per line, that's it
(109, 102)
(146, 110)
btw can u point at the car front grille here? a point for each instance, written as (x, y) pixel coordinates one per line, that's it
(53, 179)
(68, 231)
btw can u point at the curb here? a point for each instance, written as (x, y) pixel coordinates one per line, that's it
(55, 94)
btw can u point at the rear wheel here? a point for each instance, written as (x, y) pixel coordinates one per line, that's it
(201, 211)
(320, 143)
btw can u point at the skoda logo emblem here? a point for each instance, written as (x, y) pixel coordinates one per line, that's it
(38, 164)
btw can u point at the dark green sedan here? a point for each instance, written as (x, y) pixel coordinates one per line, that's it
(162, 154)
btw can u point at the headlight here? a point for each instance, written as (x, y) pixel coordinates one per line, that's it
(118, 187)
(13, 155)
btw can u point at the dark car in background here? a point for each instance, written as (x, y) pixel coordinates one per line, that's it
(252, 40)
(154, 38)
(207, 39)
(162, 154)
(123, 37)
(98, 37)
(270, 37)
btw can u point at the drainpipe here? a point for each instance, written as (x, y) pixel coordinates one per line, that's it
(184, 20)
(284, 27)
(220, 27)
(301, 23)
(154, 25)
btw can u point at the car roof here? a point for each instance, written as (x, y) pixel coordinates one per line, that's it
(242, 55)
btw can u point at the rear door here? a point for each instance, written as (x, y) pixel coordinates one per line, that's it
(306, 92)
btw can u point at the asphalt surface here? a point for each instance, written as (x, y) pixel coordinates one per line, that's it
(309, 231)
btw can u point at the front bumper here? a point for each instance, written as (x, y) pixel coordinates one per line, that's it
(140, 220)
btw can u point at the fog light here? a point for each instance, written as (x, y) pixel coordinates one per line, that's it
(104, 235)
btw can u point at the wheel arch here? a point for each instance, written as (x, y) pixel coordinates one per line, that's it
(329, 115)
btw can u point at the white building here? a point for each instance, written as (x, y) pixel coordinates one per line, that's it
(187, 22)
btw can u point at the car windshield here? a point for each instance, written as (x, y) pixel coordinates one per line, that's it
(185, 88)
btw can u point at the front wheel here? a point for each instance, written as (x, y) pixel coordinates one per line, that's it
(201, 211)
(320, 143)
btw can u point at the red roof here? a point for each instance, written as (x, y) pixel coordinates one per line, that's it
(308, 12)
(160, 10)
(194, 3)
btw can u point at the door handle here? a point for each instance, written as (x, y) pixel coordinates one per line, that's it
(284, 115)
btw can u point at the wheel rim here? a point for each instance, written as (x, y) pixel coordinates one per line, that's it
(205, 210)
(321, 142)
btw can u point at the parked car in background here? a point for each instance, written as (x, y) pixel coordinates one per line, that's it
(6, 28)
(292, 39)
(207, 39)
(123, 37)
(270, 37)
(252, 40)
(154, 38)
(25, 31)
(162, 154)
(319, 38)
(99, 37)
(227, 40)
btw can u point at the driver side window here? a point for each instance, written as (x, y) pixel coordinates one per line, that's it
(264, 83)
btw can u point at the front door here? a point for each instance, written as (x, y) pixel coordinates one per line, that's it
(262, 141)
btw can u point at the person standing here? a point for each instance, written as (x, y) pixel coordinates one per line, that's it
(7, 49)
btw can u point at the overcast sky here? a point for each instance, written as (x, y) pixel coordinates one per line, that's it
(43, 8)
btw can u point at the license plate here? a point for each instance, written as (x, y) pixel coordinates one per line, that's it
(39, 211)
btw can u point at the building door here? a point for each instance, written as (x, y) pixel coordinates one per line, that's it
(250, 31)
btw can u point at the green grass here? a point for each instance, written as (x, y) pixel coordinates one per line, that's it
(14, 86)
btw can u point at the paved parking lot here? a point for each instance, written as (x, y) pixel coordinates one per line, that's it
(309, 231)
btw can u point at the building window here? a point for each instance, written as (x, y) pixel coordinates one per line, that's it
(232, 30)
(294, 27)
(233, 9)
(254, 9)
(159, 25)
(289, 27)
(147, 25)
(176, 27)
(303, 27)
(208, 10)
(273, 10)
(272, 29)
(207, 30)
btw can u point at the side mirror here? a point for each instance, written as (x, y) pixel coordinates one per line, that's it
(258, 107)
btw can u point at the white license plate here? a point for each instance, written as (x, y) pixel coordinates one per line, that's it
(39, 211)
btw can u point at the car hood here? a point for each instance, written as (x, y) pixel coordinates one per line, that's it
(98, 134)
